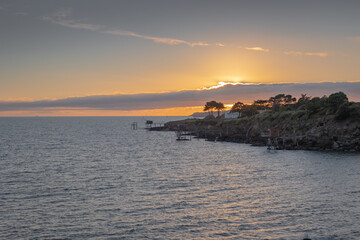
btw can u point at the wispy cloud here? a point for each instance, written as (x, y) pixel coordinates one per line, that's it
(260, 49)
(62, 18)
(169, 41)
(319, 54)
(227, 93)
(298, 53)
(294, 53)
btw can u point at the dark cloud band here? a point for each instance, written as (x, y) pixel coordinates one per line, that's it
(226, 94)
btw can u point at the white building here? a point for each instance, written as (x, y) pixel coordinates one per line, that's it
(230, 115)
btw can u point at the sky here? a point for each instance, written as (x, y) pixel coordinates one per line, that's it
(150, 57)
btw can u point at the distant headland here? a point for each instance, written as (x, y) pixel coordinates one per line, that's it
(282, 122)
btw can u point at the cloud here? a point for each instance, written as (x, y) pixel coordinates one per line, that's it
(222, 84)
(257, 49)
(169, 41)
(298, 53)
(294, 53)
(319, 54)
(227, 93)
(62, 18)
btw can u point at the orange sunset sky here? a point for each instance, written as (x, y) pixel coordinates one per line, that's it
(121, 58)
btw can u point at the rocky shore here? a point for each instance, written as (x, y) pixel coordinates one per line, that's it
(283, 130)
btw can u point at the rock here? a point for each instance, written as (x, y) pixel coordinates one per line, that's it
(309, 133)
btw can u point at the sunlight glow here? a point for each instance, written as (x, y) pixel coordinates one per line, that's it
(222, 84)
(67, 112)
(257, 49)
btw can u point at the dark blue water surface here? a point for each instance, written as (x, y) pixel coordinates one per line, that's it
(94, 178)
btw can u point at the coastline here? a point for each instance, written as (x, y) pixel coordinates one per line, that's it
(284, 131)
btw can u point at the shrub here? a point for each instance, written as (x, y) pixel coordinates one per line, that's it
(348, 110)
(299, 113)
(355, 110)
(263, 116)
(343, 112)
(315, 104)
(285, 114)
(335, 100)
(274, 116)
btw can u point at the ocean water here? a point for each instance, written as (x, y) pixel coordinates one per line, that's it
(94, 178)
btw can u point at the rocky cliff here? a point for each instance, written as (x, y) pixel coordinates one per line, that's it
(284, 129)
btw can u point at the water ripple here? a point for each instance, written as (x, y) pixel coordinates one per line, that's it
(94, 178)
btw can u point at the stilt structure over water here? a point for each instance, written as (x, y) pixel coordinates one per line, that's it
(152, 126)
(134, 126)
(272, 139)
(182, 134)
(149, 124)
(275, 141)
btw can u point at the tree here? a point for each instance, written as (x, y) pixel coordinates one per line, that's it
(207, 107)
(281, 99)
(249, 110)
(276, 101)
(210, 106)
(289, 99)
(302, 100)
(262, 104)
(337, 99)
(237, 107)
(213, 105)
(219, 107)
(314, 105)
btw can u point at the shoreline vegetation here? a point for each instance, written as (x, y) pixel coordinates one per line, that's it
(282, 122)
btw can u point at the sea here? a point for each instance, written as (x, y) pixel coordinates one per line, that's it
(96, 178)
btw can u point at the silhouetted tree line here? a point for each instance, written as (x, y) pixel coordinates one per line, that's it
(336, 103)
